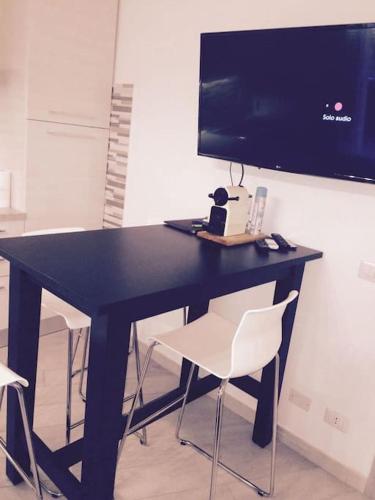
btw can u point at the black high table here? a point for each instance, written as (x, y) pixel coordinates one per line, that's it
(116, 277)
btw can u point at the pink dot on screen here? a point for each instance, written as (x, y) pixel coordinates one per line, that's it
(338, 106)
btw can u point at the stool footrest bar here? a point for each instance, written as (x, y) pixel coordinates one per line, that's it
(49, 490)
(225, 467)
(148, 419)
(74, 425)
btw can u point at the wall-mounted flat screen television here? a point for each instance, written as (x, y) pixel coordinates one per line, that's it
(295, 99)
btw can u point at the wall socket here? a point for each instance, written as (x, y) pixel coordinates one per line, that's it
(299, 399)
(367, 271)
(336, 420)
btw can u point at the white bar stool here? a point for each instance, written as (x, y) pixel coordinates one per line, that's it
(226, 351)
(78, 322)
(8, 378)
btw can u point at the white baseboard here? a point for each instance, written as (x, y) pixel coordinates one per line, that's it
(342, 472)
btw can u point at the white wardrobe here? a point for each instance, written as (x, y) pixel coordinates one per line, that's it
(71, 48)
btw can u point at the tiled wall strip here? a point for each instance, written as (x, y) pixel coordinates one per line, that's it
(119, 131)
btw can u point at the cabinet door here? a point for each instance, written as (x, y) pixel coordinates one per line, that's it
(71, 57)
(66, 167)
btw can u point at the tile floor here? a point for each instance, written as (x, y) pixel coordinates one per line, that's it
(165, 470)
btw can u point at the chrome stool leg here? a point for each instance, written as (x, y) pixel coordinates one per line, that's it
(68, 415)
(35, 484)
(143, 438)
(215, 457)
(48, 489)
(182, 411)
(72, 351)
(29, 442)
(217, 438)
(81, 371)
(136, 397)
(274, 425)
(218, 426)
(185, 315)
(132, 340)
(83, 366)
(2, 390)
(43, 485)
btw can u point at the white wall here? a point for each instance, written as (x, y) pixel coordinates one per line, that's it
(332, 356)
(13, 29)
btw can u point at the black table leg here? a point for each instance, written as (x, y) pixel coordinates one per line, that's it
(195, 312)
(108, 358)
(23, 340)
(262, 433)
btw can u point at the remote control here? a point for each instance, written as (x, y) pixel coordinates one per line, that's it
(283, 244)
(272, 245)
(261, 245)
(266, 244)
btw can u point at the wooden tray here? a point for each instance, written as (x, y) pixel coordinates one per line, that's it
(229, 241)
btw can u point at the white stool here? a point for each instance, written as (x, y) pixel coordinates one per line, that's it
(8, 378)
(77, 321)
(226, 351)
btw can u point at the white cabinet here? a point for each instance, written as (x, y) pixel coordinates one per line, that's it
(65, 175)
(71, 57)
(69, 83)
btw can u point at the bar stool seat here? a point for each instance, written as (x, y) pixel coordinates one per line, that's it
(74, 319)
(7, 376)
(210, 351)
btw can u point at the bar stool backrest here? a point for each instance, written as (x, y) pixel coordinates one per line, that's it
(258, 338)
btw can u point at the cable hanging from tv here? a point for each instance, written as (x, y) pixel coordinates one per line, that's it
(231, 176)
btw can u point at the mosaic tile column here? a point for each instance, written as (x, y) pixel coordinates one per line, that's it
(119, 132)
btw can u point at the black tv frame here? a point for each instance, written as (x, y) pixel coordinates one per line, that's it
(279, 168)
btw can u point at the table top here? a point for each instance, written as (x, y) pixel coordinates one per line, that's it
(96, 270)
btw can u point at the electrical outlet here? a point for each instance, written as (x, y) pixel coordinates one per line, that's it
(336, 420)
(299, 399)
(367, 271)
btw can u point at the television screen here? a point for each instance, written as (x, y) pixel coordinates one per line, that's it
(295, 99)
